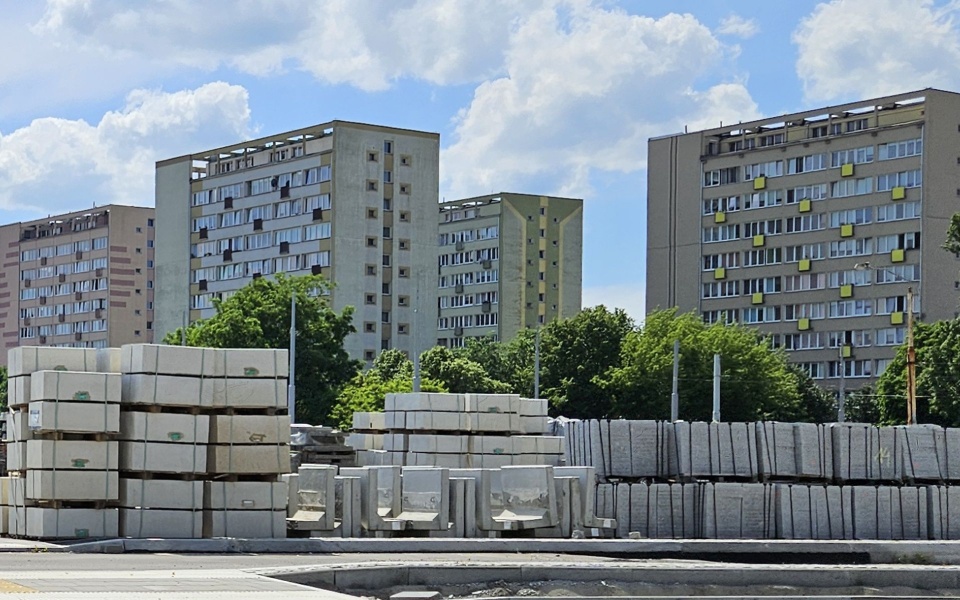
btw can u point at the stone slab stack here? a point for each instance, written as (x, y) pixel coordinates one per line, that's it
(865, 453)
(212, 423)
(794, 451)
(456, 431)
(813, 512)
(62, 430)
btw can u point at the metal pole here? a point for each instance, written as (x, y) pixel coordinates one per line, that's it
(291, 384)
(183, 330)
(416, 340)
(842, 395)
(675, 394)
(536, 365)
(911, 364)
(716, 388)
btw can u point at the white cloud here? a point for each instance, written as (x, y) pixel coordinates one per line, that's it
(583, 91)
(737, 26)
(631, 297)
(851, 49)
(54, 165)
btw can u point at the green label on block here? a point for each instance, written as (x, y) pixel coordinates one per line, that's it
(81, 533)
(175, 436)
(251, 372)
(81, 396)
(59, 368)
(79, 463)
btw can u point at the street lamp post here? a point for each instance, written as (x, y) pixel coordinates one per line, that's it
(911, 350)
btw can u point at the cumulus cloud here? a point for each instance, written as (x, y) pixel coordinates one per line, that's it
(737, 26)
(850, 49)
(54, 165)
(583, 91)
(364, 43)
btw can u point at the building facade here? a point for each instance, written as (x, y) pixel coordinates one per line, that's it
(507, 262)
(812, 227)
(353, 202)
(82, 279)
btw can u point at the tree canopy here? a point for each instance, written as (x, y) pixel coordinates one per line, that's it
(258, 316)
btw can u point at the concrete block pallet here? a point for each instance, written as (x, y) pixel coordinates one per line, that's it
(456, 431)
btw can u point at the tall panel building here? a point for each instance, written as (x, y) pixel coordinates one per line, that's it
(81, 279)
(353, 202)
(812, 226)
(507, 262)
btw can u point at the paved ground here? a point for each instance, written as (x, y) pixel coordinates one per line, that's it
(39, 574)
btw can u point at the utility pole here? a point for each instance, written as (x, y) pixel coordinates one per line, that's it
(416, 340)
(716, 388)
(911, 364)
(536, 365)
(675, 394)
(291, 384)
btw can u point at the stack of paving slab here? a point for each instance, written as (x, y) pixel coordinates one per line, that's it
(769, 480)
(319, 445)
(456, 431)
(62, 429)
(204, 442)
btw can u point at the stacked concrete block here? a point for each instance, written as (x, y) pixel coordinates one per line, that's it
(866, 453)
(697, 450)
(348, 498)
(889, 513)
(425, 499)
(794, 451)
(380, 490)
(5, 504)
(513, 498)
(813, 512)
(62, 432)
(244, 509)
(656, 510)
(456, 431)
(161, 508)
(735, 511)
(943, 512)
(463, 509)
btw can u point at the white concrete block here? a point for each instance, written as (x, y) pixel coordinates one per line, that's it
(109, 360)
(71, 523)
(245, 495)
(427, 401)
(425, 499)
(348, 505)
(16, 456)
(75, 386)
(436, 421)
(369, 421)
(245, 393)
(166, 494)
(534, 425)
(491, 444)
(395, 420)
(18, 426)
(248, 524)
(74, 417)
(493, 461)
(253, 362)
(365, 441)
(372, 458)
(163, 390)
(161, 523)
(494, 422)
(492, 403)
(80, 485)
(24, 360)
(443, 444)
(169, 360)
(314, 505)
(530, 407)
(18, 391)
(249, 429)
(163, 457)
(72, 454)
(164, 427)
(248, 459)
(395, 442)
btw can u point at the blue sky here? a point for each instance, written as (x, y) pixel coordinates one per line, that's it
(538, 96)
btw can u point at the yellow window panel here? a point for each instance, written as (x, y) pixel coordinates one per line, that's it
(804, 264)
(846, 170)
(846, 230)
(757, 298)
(720, 217)
(846, 351)
(803, 324)
(760, 183)
(758, 240)
(719, 273)
(897, 255)
(805, 205)
(896, 318)
(846, 291)
(898, 193)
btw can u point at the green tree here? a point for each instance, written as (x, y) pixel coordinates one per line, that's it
(458, 374)
(817, 405)
(258, 316)
(938, 377)
(862, 406)
(756, 382)
(3, 388)
(575, 353)
(952, 242)
(393, 363)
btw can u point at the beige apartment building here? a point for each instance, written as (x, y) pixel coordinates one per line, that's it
(507, 262)
(353, 202)
(82, 279)
(812, 226)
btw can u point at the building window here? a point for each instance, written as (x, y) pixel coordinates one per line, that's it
(406, 160)
(386, 232)
(404, 244)
(403, 272)
(386, 260)
(368, 354)
(371, 269)
(139, 250)
(149, 325)
(372, 156)
(543, 233)
(371, 185)
(388, 147)
(385, 317)
(149, 222)
(404, 188)
(369, 327)
(371, 242)
(403, 300)
(404, 216)
(403, 328)
(386, 203)
(370, 299)
(136, 332)
(139, 229)
(385, 289)
(371, 213)
(387, 177)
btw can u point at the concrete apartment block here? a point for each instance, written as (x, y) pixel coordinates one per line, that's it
(764, 223)
(83, 279)
(507, 262)
(353, 202)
